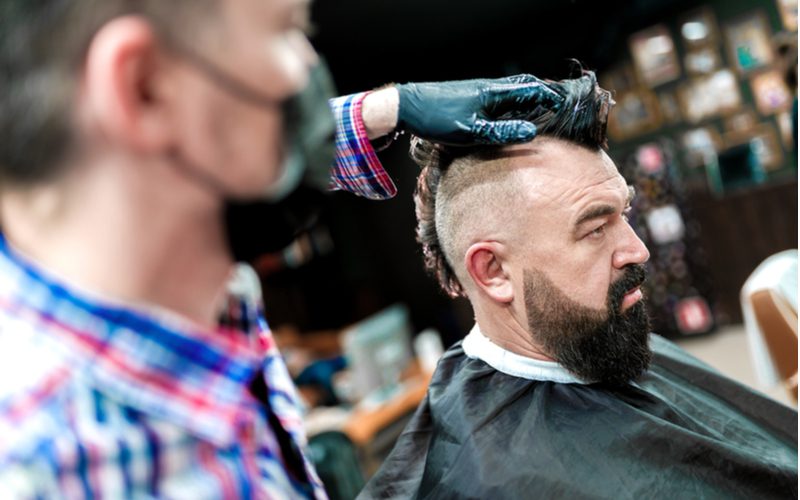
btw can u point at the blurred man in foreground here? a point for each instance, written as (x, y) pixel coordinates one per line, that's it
(136, 136)
(560, 391)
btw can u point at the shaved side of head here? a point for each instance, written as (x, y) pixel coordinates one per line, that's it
(473, 187)
(447, 202)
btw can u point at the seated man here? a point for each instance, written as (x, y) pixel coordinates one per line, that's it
(559, 391)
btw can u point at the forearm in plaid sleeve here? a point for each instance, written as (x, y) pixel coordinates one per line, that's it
(357, 168)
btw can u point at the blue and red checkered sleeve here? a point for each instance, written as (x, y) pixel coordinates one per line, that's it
(357, 168)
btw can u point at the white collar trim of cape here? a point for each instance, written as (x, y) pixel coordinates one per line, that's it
(477, 346)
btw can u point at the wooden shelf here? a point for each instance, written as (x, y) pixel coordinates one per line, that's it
(365, 423)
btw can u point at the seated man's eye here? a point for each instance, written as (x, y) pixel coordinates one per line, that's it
(599, 231)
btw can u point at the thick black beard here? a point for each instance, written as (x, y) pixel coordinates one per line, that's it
(596, 346)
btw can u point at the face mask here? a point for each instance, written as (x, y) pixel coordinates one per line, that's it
(310, 128)
(292, 203)
(289, 204)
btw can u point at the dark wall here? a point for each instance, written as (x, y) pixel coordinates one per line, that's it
(370, 43)
(740, 231)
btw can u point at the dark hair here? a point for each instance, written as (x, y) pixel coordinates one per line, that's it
(42, 46)
(581, 119)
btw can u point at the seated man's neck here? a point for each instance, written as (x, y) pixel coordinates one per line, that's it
(503, 328)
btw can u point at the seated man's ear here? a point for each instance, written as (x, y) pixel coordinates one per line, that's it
(485, 264)
(120, 85)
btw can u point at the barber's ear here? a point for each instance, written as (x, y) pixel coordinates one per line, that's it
(119, 82)
(484, 263)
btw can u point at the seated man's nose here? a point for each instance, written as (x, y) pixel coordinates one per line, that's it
(632, 251)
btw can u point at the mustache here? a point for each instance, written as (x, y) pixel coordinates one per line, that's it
(634, 276)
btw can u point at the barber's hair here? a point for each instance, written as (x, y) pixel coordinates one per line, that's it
(581, 119)
(42, 47)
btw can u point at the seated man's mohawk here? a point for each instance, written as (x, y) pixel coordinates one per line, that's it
(582, 117)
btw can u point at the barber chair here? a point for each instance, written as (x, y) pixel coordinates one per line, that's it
(336, 461)
(769, 306)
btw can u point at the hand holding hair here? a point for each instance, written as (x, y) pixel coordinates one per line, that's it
(470, 112)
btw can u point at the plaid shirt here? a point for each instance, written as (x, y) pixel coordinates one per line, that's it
(105, 400)
(357, 168)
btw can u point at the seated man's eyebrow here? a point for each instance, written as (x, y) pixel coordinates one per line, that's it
(595, 212)
(604, 210)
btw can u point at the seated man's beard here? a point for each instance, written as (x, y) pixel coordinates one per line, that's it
(596, 346)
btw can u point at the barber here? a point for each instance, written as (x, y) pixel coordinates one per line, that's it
(134, 136)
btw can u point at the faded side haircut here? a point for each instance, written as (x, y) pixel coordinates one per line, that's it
(448, 171)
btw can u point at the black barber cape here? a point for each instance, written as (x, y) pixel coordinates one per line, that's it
(681, 432)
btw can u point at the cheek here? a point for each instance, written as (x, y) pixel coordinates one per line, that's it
(253, 150)
(239, 144)
(587, 286)
(594, 284)
(201, 124)
(289, 63)
(583, 278)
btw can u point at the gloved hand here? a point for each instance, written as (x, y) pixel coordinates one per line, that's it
(470, 112)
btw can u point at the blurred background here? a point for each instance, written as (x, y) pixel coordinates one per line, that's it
(704, 127)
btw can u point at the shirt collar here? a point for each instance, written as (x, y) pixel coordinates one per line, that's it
(477, 346)
(153, 361)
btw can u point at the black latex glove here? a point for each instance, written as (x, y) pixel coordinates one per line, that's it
(472, 112)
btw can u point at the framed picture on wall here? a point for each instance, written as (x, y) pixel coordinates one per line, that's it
(788, 10)
(670, 109)
(650, 158)
(702, 61)
(654, 56)
(767, 147)
(770, 92)
(699, 29)
(786, 129)
(748, 41)
(621, 78)
(700, 146)
(710, 96)
(743, 122)
(764, 144)
(635, 113)
(665, 224)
